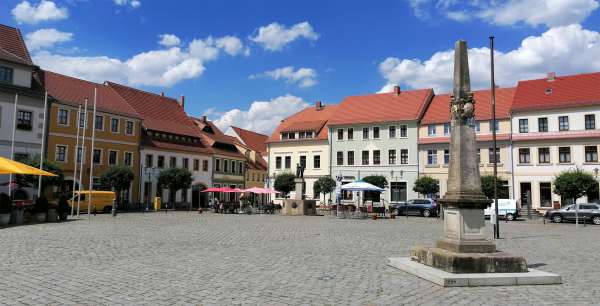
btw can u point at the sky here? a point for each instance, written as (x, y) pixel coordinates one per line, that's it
(253, 63)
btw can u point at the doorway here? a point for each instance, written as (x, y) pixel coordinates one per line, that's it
(525, 196)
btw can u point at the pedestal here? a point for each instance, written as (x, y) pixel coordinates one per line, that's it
(299, 183)
(464, 231)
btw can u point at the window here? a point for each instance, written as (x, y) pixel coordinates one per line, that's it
(129, 128)
(350, 158)
(173, 162)
(233, 163)
(128, 159)
(432, 157)
(479, 156)
(366, 133)
(340, 134)
(492, 157)
(217, 165)
(302, 134)
(376, 132)
(225, 165)
(61, 153)
(303, 161)
(446, 129)
(63, 117)
(6, 74)
(446, 156)
(288, 162)
(404, 156)
(398, 191)
(205, 165)
(376, 157)
(186, 163)
(477, 126)
(196, 165)
(497, 125)
(24, 120)
(365, 157)
(278, 162)
(431, 130)
(292, 135)
(79, 154)
(284, 136)
(99, 122)
(317, 162)
(392, 157)
(524, 156)
(83, 119)
(543, 155)
(149, 161)
(309, 134)
(523, 126)
(542, 124)
(590, 122)
(564, 154)
(392, 131)
(160, 162)
(545, 194)
(340, 158)
(112, 157)
(403, 131)
(563, 123)
(97, 156)
(591, 154)
(350, 133)
(114, 125)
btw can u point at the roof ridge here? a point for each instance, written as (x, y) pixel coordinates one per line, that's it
(143, 91)
(72, 77)
(563, 76)
(235, 127)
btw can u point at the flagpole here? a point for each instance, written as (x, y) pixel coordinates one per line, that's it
(91, 183)
(12, 144)
(85, 120)
(76, 157)
(43, 142)
(493, 94)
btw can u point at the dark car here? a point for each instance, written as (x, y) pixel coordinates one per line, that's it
(587, 212)
(416, 207)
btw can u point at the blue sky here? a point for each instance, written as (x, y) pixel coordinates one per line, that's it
(337, 48)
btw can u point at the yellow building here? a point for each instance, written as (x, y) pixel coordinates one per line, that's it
(253, 146)
(116, 132)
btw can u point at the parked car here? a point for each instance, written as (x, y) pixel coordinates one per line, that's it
(416, 207)
(102, 201)
(587, 212)
(507, 208)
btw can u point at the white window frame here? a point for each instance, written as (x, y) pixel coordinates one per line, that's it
(118, 125)
(101, 154)
(96, 121)
(124, 154)
(68, 117)
(132, 129)
(66, 153)
(116, 160)
(405, 128)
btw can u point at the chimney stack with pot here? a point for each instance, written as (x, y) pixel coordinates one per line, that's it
(397, 90)
(182, 101)
(318, 105)
(551, 76)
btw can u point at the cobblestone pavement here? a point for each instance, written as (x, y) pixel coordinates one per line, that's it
(186, 258)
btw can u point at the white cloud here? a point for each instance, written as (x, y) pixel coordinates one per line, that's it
(169, 40)
(304, 77)
(565, 50)
(46, 38)
(262, 116)
(164, 67)
(232, 45)
(132, 3)
(25, 12)
(275, 36)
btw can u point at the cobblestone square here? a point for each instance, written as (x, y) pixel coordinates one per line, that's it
(208, 259)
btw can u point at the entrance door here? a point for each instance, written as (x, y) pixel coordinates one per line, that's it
(526, 196)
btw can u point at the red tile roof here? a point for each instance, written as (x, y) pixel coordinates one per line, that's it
(158, 112)
(73, 91)
(168, 146)
(12, 46)
(253, 140)
(563, 91)
(304, 120)
(439, 109)
(305, 126)
(383, 107)
(214, 138)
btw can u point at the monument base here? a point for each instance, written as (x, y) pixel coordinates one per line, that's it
(293, 207)
(446, 279)
(456, 262)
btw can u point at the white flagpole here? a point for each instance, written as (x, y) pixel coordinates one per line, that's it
(75, 158)
(92, 157)
(12, 145)
(43, 141)
(85, 120)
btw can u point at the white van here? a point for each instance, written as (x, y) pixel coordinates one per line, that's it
(507, 208)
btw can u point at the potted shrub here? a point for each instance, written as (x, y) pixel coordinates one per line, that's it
(63, 208)
(5, 208)
(40, 209)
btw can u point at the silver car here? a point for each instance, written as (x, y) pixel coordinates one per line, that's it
(587, 212)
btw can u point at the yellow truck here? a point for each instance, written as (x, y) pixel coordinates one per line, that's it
(102, 201)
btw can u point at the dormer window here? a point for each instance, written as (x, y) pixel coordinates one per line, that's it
(302, 135)
(284, 135)
(6, 75)
(309, 134)
(548, 91)
(292, 135)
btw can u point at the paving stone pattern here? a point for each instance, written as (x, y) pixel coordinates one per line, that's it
(191, 259)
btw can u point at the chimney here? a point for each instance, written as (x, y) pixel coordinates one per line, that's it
(203, 118)
(182, 101)
(318, 105)
(551, 76)
(396, 90)
(162, 93)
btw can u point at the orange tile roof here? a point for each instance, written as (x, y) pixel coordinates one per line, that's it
(383, 107)
(73, 91)
(158, 112)
(253, 140)
(211, 136)
(563, 91)
(439, 109)
(304, 120)
(169, 146)
(12, 46)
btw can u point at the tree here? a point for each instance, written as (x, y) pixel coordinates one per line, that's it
(284, 182)
(32, 180)
(574, 184)
(325, 185)
(377, 180)
(118, 178)
(174, 179)
(426, 185)
(487, 187)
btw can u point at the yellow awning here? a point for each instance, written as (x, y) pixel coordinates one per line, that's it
(8, 166)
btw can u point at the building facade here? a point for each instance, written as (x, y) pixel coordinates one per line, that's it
(253, 146)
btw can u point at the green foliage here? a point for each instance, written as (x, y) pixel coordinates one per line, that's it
(5, 203)
(31, 180)
(377, 180)
(574, 184)
(175, 179)
(487, 187)
(117, 177)
(284, 182)
(324, 185)
(426, 185)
